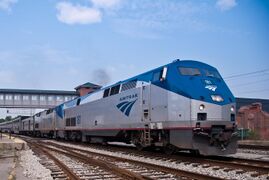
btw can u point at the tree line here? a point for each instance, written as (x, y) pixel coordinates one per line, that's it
(7, 118)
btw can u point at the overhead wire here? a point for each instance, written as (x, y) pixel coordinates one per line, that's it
(246, 74)
(249, 83)
(248, 92)
(249, 76)
(253, 74)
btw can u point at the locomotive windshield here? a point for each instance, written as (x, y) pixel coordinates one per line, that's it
(189, 71)
(214, 74)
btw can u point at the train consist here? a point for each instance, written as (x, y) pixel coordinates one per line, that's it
(181, 105)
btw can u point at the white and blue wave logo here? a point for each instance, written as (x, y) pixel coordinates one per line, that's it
(211, 87)
(126, 107)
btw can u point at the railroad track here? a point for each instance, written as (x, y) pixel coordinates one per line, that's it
(119, 168)
(254, 167)
(253, 147)
(248, 164)
(58, 169)
(71, 165)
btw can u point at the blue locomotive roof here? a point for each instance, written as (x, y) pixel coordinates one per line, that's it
(147, 76)
(199, 87)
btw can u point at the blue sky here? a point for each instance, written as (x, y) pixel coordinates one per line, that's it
(59, 44)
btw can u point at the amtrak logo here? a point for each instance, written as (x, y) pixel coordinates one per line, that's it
(126, 107)
(211, 87)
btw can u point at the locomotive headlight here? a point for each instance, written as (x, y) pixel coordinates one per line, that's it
(202, 107)
(232, 108)
(217, 98)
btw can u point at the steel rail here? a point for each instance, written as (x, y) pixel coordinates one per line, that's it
(261, 167)
(178, 172)
(103, 164)
(253, 147)
(66, 170)
(246, 164)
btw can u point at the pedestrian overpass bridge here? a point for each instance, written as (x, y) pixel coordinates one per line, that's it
(34, 99)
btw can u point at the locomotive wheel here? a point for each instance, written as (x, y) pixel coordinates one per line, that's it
(195, 152)
(169, 149)
(139, 147)
(76, 136)
(136, 139)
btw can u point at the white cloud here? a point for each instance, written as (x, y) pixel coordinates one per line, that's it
(157, 18)
(225, 5)
(105, 3)
(6, 4)
(77, 14)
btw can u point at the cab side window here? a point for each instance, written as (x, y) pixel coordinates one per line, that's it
(115, 90)
(156, 76)
(106, 92)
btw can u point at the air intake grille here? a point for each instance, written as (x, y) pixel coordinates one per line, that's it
(128, 85)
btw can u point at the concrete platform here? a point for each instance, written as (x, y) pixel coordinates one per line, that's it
(10, 143)
(9, 164)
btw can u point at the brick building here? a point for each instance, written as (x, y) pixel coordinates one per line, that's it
(87, 88)
(253, 117)
(247, 101)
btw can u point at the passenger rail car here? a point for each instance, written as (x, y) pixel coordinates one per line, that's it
(13, 126)
(181, 105)
(27, 126)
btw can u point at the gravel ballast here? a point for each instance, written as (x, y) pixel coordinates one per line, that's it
(221, 173)
(32, 168)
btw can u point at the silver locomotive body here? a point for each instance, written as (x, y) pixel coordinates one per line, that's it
(167, 120)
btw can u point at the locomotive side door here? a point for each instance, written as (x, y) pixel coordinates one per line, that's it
(145, 137)
(145, 103)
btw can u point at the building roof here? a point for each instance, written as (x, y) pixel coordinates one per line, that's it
(35, 91)
(88, 85)
(248, 101)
